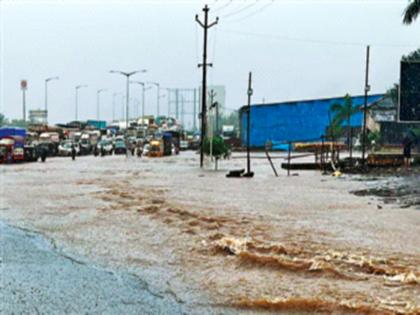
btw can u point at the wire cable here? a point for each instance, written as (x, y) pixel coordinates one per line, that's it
(223, 7)
(243, 9)
(314, 41)
(252, 13)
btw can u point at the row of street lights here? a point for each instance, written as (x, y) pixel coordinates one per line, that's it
(99, 91)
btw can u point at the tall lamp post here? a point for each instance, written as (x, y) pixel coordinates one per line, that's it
(76, 117)
(158, 96)
(127, 75)
(98, 92)
(46, 91)
(113, 104)
(143, 95)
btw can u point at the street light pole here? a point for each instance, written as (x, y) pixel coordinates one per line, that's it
(158, 96)
(77, 100)
(113, 104)
(46, 91)
(127, 75)
(98, 102)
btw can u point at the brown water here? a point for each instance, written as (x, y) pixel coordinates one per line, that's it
(291, 244)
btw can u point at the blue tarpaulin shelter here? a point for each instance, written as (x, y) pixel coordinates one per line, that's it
(12, 131)
(294, 121)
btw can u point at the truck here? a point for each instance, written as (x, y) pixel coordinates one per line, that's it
(97, 124)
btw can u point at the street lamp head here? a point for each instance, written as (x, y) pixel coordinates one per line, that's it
(128, 74)
(137, 82)
(101, 90)
(51, 78)
(80, 86)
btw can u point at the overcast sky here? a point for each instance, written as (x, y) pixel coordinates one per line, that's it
(296, 49)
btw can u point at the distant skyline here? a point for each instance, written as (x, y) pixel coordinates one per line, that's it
(295, 49)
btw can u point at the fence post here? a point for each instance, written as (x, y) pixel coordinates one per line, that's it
(288, 158)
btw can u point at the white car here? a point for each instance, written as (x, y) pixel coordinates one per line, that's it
(64, 149)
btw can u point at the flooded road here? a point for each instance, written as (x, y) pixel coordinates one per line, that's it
(37, 279)
(217, 245)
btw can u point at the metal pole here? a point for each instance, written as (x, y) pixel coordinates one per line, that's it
(76, 105)
(195, 111)
(205, 27)
(127, 103)
(248, 127)
(176, 104)
(24, 104)
(144, 101)
(97, 105)
(113, 106)
(46, 97)
(158, 100)
(367, 88)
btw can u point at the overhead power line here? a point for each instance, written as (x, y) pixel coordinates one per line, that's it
(252, 13)
(314, 41)
(240, 10)
(221, 8)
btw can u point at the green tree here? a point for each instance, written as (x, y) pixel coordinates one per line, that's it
(3, 120)
(411, 12)
(342, 114)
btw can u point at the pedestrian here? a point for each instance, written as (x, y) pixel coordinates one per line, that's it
(43, 154)
(407, 143)
(73, 152)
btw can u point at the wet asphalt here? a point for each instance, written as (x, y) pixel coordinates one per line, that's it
(35, 278)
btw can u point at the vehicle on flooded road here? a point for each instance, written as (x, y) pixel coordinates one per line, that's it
(120, 147)
(105, 147)
(65, 148)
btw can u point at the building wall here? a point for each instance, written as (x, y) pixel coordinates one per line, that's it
(294, 121)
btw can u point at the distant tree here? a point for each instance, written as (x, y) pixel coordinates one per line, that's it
(411, 12)
(230, 119)
(18, 123)
(342, 113)
(3, 120)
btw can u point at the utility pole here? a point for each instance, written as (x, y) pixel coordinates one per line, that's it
(212, 95)
(205, 27)
(367, 89)
(194, 111)
(248, 128)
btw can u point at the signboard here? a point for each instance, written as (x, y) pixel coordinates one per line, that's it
(23, 84)
(409, 96)
(38, 116)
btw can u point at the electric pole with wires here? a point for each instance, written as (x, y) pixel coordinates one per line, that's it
(205, 27)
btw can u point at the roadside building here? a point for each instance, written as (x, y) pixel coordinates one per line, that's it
(382, 118)
(304, 120)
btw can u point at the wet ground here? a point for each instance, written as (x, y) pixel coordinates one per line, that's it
(38, 279)
(293, 244)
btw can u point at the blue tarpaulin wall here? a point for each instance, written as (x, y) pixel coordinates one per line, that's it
(12, 131)
(294, 121)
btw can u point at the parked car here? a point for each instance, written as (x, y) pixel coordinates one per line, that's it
(65, 148)
(120, 147)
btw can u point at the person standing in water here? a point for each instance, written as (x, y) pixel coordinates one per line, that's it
(407, 143)
(73, 152)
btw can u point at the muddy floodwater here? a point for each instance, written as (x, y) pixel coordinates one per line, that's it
(216, 245)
